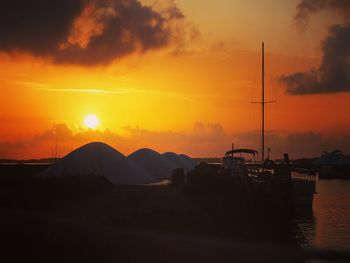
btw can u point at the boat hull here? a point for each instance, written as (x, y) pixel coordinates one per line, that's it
(303, 192)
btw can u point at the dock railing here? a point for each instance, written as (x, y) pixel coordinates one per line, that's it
(303, 174)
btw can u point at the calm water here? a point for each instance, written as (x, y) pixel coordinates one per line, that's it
(328, 225)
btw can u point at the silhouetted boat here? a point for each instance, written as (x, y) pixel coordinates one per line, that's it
(296, 186)
(277, 180)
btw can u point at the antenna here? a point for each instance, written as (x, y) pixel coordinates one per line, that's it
(263, 102)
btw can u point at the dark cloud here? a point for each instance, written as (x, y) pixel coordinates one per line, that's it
(333, 75)
(85, 31)
(307, 7)
(37, 26)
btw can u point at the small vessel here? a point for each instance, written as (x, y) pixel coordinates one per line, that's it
(236, 166)
(280, 182)
(277, 178)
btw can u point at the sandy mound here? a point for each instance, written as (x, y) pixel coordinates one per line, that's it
(101, 160)
(153, 162)
(179, 161)
(188, 159)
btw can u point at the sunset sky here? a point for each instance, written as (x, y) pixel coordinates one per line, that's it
(173, 75)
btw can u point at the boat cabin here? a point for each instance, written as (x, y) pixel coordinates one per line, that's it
(236, 166)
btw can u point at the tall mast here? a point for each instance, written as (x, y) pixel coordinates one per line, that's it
(263, 104)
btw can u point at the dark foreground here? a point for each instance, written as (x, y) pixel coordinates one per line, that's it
(86, 219)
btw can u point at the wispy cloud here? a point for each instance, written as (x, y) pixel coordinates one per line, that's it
(177, 95)
(39, 86)
(51, 88)
(30, 84)
(97, 91)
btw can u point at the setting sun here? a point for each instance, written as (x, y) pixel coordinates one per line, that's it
(91, 121)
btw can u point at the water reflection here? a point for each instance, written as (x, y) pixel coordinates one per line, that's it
(327, 225)
(307, 226)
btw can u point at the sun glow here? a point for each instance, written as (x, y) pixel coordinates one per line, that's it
(91, 121)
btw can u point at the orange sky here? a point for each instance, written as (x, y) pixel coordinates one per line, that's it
(196, 101)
